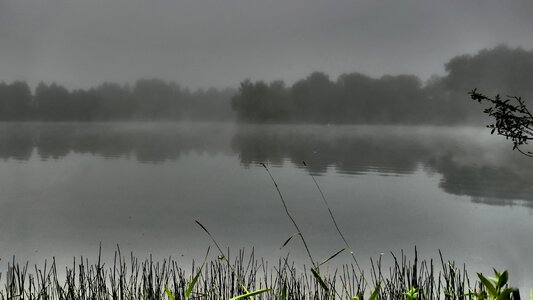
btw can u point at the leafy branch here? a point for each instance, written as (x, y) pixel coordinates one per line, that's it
(512, 119)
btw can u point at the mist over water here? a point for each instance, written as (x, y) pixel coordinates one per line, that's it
(470, 161)
(67, 187)
(123, 122)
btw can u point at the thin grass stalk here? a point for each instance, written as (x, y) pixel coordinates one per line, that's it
(291, 217)
(332, 217)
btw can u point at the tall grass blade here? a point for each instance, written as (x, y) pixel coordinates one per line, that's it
(332, 217)
(375, 293)
(169, 294)
(332, 257)
(284, 292)
(250, 294)
(320, 280)
(290, 216)
(190, 285)
(288, 240)
(223, 257)
(151, 281)
(212, 238)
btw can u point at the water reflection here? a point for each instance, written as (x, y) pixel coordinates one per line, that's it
(494, 185)
(470, 162)
(349, 150)
(16, 142)
(150, 143)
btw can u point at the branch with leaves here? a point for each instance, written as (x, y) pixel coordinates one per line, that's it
(512, 119)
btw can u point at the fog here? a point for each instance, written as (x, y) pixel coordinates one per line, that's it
(352, 98)
(408, 62)
(203, 43)
(495, 176)
(123, 121)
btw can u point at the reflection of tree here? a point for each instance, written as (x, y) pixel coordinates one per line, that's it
(55, 143)
(482, 182)
(346, 153)
(15, 142)
(153, 145)
(463, 172)
(102, 141)
(499, 178)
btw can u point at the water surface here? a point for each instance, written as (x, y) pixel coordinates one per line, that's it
(66, 188)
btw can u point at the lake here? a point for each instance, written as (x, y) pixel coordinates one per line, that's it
(65, 188)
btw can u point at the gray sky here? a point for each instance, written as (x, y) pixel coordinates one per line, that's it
(200, 43)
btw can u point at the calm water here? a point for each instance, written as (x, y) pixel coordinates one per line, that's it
(64, 188)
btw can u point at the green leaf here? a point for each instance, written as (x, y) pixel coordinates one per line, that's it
(473, 295)
(488, 285)
(504, 277)
(169, 294)
(249, 294)
(375, 293)
(412, 294)
(493, 280)
(284, 292)
(190, 285)
(505, 294)
(319, 280)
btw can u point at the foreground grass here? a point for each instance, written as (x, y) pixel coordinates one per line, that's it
(244, 277)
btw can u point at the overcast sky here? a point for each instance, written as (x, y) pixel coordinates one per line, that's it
(200, 43)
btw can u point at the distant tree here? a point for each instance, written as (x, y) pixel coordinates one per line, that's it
(492, 70)
(156, 98)
(211, 104)
(53, 103)
(261, 102)
(15, 101)
(315, 98)
(512, 119)
(114, 102)
(353, 97)
(399, 99)
(85, 105)
(147, 99)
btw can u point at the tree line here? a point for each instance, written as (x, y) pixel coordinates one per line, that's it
(398, 99)
(352, 98)
(147, 99)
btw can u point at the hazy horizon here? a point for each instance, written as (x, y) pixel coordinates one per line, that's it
(203, 44)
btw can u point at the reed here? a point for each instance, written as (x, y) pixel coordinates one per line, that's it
(131, 278)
